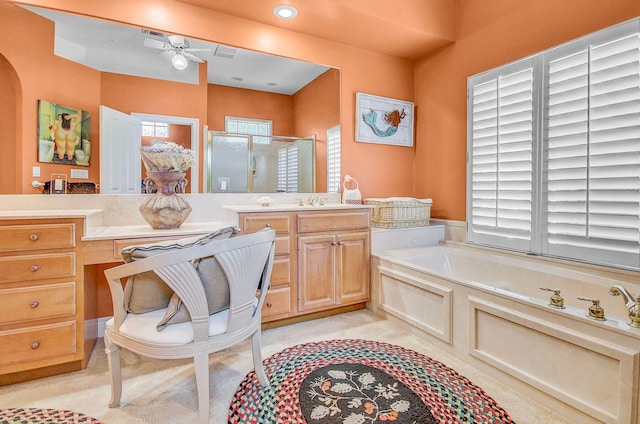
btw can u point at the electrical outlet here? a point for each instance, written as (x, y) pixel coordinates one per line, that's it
(80, 173)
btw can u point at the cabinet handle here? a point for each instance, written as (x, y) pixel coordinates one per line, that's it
(34, 237)
(34, 268)
(269, 304)
(340, 243)
(268, 225)
(333, 243)
(34, 304)
(35, 345)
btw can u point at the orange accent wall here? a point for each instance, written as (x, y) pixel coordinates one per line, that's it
(489, 33)
(39, 74)
(317, 109)
(8, 121)
(229, 101)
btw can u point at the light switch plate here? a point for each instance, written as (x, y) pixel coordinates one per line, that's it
(80, 173)
(36, 171)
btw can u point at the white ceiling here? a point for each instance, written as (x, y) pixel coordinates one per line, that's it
(116, 48)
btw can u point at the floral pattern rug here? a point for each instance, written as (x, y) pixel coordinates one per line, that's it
(360, 382)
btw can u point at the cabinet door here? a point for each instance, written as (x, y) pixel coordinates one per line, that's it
(316, 265)
(352, 268)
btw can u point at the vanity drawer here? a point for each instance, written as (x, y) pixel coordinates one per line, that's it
(37, 302)
(37, 267)
(34, 237)
(276, 302)
(315, 222)
(281, 274)
(253, 223)
(283, 245)
(37, 343)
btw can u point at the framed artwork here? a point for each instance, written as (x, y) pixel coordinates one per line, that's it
(383, 120)
(63, 134)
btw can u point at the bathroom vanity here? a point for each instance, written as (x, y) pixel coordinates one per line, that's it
(322, 261)
(52, 260)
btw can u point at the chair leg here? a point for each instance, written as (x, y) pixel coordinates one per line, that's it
(256, 347)
(201, 363)
(115, 373)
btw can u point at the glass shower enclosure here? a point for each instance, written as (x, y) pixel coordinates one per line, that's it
(242, 163)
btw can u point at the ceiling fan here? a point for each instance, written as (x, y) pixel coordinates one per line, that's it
(177, 48)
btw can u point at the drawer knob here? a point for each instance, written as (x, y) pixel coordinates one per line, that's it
(35, 345)
(34, 268)
(34, 304)
(268, 225)
(34, 237)
(333, 243)
(269, 304)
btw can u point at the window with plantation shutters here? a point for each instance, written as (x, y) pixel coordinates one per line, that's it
(592, 172)
(288, 169)
(500, 168)
(580, 198)
(333, 159)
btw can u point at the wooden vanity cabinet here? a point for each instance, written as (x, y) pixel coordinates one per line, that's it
(48, 323)
(333, 260)
(278, 302)
(321, 262)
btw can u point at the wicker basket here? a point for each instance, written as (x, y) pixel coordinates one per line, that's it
(400, 212)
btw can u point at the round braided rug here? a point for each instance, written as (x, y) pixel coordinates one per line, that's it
(44, 416)
(360, 381)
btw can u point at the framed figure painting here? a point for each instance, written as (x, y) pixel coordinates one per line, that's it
(383, 120)
(63, 134)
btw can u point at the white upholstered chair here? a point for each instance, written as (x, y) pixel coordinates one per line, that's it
(246, 260)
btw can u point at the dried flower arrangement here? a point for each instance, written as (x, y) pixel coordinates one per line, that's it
(163, 156)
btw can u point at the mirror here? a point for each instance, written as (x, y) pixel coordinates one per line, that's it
(135, 64)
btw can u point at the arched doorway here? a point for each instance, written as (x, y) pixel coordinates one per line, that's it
(10, 162)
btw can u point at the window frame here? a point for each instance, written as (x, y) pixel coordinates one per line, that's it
(601, 253)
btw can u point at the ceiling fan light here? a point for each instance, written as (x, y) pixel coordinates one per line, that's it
(179, 62)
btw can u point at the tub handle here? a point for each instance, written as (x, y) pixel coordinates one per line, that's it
(556, 300)
(595, 310)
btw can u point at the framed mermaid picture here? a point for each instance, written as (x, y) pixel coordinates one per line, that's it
(383, 120)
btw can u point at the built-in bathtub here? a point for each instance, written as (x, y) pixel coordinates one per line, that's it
(486, 307)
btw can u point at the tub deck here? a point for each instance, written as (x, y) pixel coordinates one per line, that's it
(487, 308)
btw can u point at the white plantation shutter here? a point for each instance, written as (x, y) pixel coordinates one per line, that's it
(333, 159)
(554, 151)
(288, 169)
(501, 148)
(592, 173)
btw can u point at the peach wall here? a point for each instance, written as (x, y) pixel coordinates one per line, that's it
(9, 87)
(489, 33)
(381, 170)
(317, 109)
(240, 102)
(42, 76)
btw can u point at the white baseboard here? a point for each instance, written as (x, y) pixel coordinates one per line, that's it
(102, 322)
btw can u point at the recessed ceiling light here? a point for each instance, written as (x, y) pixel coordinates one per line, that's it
(285, 11)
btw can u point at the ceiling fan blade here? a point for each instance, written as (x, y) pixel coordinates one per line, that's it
(176, 40)
(193, 49)
(155, 44)
(192, 57)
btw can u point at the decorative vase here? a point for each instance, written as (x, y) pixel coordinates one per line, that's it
(165, 209)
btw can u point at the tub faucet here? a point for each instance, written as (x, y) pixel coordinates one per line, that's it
(595, 310)
(556, 300)
(633, 304)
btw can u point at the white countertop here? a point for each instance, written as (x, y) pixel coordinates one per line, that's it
(135, 231)
(292, 207)
(50, 213)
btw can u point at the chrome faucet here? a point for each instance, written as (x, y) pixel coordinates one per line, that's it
(632, 304)
(312, 200)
